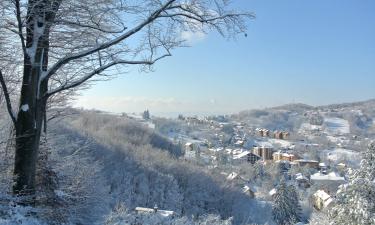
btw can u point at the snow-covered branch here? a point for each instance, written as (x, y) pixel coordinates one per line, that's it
(19, 25)
(101, 69)
(108, 44)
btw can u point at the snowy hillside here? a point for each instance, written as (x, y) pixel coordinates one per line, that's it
(336, 126)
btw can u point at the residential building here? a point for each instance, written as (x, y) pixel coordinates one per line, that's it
(306, 162)
(321, 200)
(247, 156)
(302, 180)
(264, 152)
(283, 156)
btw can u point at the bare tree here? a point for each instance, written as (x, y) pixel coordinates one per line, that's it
(56, 46)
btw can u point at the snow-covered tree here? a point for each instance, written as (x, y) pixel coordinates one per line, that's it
(56, 46)
(356, 200)
(286, 209)
(146, 115)
(319, 218)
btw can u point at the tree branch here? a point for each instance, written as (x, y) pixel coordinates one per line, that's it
(99, 70)
(78, 24)
(106, 45)
(19, 23)
(7, 98)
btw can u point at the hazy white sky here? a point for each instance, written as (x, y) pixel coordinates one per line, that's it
(314, 52)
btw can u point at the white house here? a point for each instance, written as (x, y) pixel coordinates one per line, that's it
(321, 200)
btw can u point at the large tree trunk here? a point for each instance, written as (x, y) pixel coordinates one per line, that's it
(33, 98)
(28, 129)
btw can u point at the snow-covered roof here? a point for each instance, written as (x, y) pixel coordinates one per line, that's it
(300, 176)
(247, 188)
(239, 142)
(324, 196)
(243, 154)
(232, 176)
(330, 176)
(165, 213)
(216, 149)
(272, 192)
(283, 154)
(306, 160)
(287, 154)
(237, 151)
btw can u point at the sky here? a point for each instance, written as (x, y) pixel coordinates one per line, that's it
(296, 51)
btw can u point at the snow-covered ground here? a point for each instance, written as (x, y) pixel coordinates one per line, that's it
(336, 126)
(281, 143)
(307, 127)
(271, 142)
(338, 155)
(263, 144)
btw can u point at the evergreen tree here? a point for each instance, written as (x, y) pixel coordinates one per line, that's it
(286, 209)
(146, 115)
(356, 200)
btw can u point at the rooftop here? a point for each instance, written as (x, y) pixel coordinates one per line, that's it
(331, 176)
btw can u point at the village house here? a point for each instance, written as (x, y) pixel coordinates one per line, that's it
(283, 156)
(278, 134)
(302, 180)
(306, 163)
(263, 132)
(285, 135)
(189, 146)
(253, 158)
(323, 168)
(234, 179)
(321, 200)
(341, 166)
(239, 143)
(247, 156)
(249, 190)
(155, 210)
(232, 176)
(264, 152)
(272, 192)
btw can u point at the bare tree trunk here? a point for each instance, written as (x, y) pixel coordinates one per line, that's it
(32, 100)
(28, 131)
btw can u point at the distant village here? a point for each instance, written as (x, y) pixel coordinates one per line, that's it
(324, 178)
(315, 158)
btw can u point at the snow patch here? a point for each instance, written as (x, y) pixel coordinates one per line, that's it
(25, 107)
(38, 32)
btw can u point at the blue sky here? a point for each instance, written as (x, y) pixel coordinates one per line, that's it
(314, 52)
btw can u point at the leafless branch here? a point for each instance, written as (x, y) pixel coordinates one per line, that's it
(7, 98)
(101, 69)
(108, 44)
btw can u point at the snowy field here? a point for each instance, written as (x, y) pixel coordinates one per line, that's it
(336, 126)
